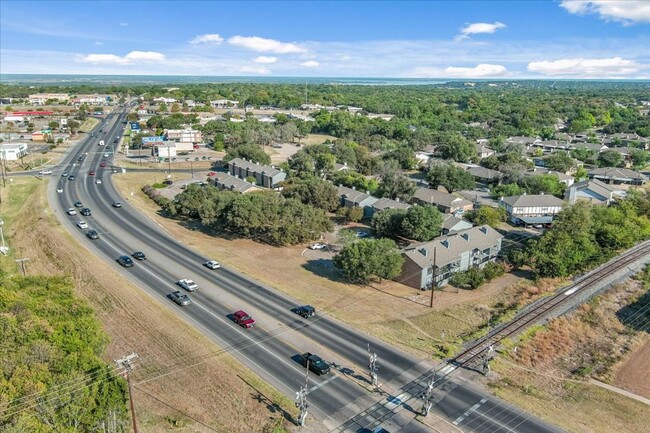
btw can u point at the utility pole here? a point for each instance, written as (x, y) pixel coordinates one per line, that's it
(127, 364)
(433, 281)
(428, 394)
(490, 349)
(22, 263)
(4, 249)
(301, 397)
(372, 367)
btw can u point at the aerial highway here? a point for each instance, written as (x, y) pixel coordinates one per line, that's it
(341, 400)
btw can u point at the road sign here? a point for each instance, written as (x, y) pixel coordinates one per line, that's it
(149, 140)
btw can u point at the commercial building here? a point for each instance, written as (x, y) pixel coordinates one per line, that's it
(12, 151)
(41, 98)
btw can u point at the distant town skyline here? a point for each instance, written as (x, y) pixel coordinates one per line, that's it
(568, 39)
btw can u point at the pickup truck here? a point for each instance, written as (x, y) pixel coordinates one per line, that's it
(101, 142)
(188, 285)
(316, 364)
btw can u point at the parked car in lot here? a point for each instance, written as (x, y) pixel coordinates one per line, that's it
(139, 255)
(243, 319)
(125, 261)
(86, 211)
(305, 311)
(92, 234)
(117, 204)
(188, 285)
(212, 264)
(167, 182)
(82, 224)
(180, 298)
(316, 364)
(317, 246)
(71, 211)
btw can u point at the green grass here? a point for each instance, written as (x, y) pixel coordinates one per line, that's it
(88, 125)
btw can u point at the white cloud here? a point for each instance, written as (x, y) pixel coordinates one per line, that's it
(476, 28)
(98, 43)
(262, 45)
(588, 68)
(345, 58)
(123, 24)
(310, 64)
(483, 70)
(210, 39)
(132, 57)
(624, 11)
(265, 59)
(261, 70)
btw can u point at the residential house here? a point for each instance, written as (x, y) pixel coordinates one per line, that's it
(485, 175)
(387, 203)
(532, 209)
(12, 151)
(563, 177)
(265, 175)
(41, 98)
(525, 141)
(224, 181)
(617, 176)
(452, 224)
(482, 150)
(386, 117)
(593, 191)
(341, 167)
(425, 155)
(445, 202)
(164, 100)
(224, 103)
(595, 147)
(350, 198)
(453, 253)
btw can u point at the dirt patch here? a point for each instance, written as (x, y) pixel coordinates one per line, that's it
(182, 378)
(634, 375)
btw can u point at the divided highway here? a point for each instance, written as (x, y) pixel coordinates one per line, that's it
(270, 348)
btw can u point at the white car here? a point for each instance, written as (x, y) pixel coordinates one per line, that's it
(212, 264)
(59, 190)
(188, 285)
(71, 212)
(42, 172)
(317, 246)
(98, 181)
(82, 225)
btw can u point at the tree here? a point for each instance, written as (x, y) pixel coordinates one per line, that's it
(455, 147)
(392, 183)
(422, 223)
(251, 152)
(369, 258)
(609, 158)
(53, 124)
(581, 174)
(639, 157)
(325, 163)
(302, 163)
(487, 215)
(451, 177)
(176, 108)
(313, 191)
(162, 107)
(559, 161)
(388, 222)
(132, 117)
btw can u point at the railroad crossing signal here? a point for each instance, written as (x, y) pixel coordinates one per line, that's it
(428, 394)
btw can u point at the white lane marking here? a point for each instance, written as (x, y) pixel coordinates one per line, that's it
(448, 369)
(468, 411)
(396, 401)
(315, 387)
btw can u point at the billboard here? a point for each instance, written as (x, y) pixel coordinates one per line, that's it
(135, 126)
(151, 140)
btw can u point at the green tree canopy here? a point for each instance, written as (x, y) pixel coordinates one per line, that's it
(453, 178)
(422, 223)
(365, 259)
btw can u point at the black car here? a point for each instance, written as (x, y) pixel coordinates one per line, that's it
(81, 158)
(125, 261)
(85, 211)
(305, 311)
(70, 177)
(139, 255)
(78, 204)
(92, 234)
(167, 182)
(316, 364)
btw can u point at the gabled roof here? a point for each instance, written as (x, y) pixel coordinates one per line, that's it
(449, 248)
(616, 173)
(440, 198)
(532, 200)
(387, 203)
(449, 221)
(354, 196)
(484, 173)
(597, 187)
(233, 183)
(267, 170)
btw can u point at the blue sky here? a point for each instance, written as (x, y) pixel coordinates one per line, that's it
(439, 39)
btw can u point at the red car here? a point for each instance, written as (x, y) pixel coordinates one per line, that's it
(91, 173)
(103, 164)
(243, 319)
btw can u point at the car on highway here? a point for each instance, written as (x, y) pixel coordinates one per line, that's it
(139, 255)
(81, 158)
(125, 261)
(78, 204)
(180, 298)
(86, 211)
(188, 285)
(317, 246)
(98, 181)
(243, 319)
(115, 141)
(64, 174)
(316, 364)
(43, 172)
(102, 164)
(59, 190)
(212, 264)
(71, 211)
(70, 177)
(82, 224)
(92, 234)
(106, 155)
(117, 204)
(305, 311)
(91, 173)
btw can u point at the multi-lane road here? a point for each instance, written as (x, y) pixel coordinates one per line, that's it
(340, 400)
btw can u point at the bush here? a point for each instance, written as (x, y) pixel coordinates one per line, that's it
(474, 277)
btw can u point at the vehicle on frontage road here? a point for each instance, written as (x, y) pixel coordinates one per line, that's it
(43, 172)
(86, 211)
(82, 224)
(92, 234)
(243, 319)
(317, 246)
(316, 364)
(180, 298)
(305, 311)
(78, 204)
(117, 204)
(212, 264)
(188, 285)
(139, 255)
(71, 211)
(125, 261)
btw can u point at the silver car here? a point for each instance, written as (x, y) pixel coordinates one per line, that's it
(180, 298)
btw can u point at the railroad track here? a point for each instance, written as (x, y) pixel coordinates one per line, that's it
(474, 353)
